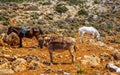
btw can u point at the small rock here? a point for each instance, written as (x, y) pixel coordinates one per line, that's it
(106, 57)
(29, 58)
(66, 73)
(33, 65)
(116, 55)
(95, 17)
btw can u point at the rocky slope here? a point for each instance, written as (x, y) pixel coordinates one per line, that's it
(62, 16)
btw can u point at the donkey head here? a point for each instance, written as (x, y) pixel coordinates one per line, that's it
(9, 30)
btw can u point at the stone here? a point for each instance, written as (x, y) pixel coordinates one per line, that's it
(33, 65)
(116, 55)
(91, 59)
(106, 57)
(19, 65)
(6, 71)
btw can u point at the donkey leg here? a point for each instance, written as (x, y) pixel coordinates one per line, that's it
(72, 54)
(92, 37)
(20, 42)
(81, 37)
(51, 57)
(37, 37)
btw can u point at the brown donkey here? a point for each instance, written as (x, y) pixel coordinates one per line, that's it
(59, 45)
(24, 32)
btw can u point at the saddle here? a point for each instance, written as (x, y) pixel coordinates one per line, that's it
(24, 30)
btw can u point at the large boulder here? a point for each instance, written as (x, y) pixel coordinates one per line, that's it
(11, 39)
(92, 60)
(19, 65)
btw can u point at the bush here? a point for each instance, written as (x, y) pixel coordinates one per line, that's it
(82, 12)
(80, 71)
(96, 2)
(49, 17)
(76, 2)
(61, 9)
(3, 18)
(35, 15)
(61, 24)
(117, 40)
(46, 3)
(6, 23)
(75, 25)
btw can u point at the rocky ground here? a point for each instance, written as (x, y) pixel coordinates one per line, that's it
(64, 17)
(91, 59)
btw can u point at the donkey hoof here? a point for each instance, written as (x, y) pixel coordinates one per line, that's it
(20, 46)
(51, 64)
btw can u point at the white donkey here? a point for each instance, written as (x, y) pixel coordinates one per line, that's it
(90, 30)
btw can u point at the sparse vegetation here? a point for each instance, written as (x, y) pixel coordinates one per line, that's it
(96, 1)
(76, 2)
(64, 17)
(117, 40)
(35, 15)
(32, 8)
(3, 18)
(61, 9)
(46, 3)
(6, 23)
(81, 71)
(75, 25)
(82, 12)
(19, 1)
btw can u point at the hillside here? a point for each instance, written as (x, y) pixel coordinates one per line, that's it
(61, 16)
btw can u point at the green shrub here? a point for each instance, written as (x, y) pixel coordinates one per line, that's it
(117, 40)
(6, 23)
(3, 18)
(96, 2)
(75, 25)
(49, 17)
(35, 15)
(61, 9)
(80, 71)
(46, 3)
(82, 12)
(76, 2)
